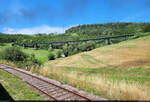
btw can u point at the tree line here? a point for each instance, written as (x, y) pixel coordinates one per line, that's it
(81, 32)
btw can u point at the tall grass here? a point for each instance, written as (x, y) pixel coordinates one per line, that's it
(110, 89)
(7, 63)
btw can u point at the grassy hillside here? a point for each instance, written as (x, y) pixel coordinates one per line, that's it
(17, 88)
(119, 71)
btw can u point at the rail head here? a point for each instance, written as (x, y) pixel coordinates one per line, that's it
(74, 92)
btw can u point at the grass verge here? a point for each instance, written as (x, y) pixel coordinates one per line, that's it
(100, 85)
(18, 89)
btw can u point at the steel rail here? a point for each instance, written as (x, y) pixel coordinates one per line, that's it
(73, 92)
(30, 84)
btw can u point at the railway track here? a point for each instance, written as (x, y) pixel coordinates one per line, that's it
(52, 90)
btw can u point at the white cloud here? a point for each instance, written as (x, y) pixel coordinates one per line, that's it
(35, 30)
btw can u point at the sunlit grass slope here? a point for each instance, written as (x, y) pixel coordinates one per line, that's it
(133, 53)
(119, 71)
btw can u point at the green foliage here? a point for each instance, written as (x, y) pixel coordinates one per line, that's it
(50, 48)
(13, 54)
(7, 38)
(81, 32)
(44, 47)
(147, 28)
(138, 35)
(2, 44)
(51, 56)
(33, 59)
(71, 49)
(82, 47)
(20, 58)
(58, 53)
(65, 50)
(40, 54)
(86, 46)
(107, 29)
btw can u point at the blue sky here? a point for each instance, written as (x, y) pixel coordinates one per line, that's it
(47, 16)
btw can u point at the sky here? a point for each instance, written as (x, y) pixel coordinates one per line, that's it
(55, 16)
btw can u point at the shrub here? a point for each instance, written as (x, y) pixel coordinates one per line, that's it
(13, 54)
(81, 47)
(34, 60)
(86, 46)
(69, 50)
(2, 44)
(30, 62)
(51, 56)
(138, 35)
(90, 45)
(20, 58)
(58, 54)
(44, 47)
(75, 51)
(50, 48)
(147, 28)
(65, 50)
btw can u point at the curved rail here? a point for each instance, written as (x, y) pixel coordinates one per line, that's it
(39, 84)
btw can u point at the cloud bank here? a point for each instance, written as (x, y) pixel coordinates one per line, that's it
(35, 30)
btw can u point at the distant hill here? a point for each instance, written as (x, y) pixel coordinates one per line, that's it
(108, 28)
(80, 32)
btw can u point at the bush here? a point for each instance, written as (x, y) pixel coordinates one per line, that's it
(58, 54)
(51, 56)
(65, 50)
(2, 44)
(147, 28)
(34, 60)
(44, 47)
(30, 62)
(90, 45)
(50, 48)
(69, 50)
(13, 54)
(86, 46)
(138, 35)
(75, 51)
(20, 58)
